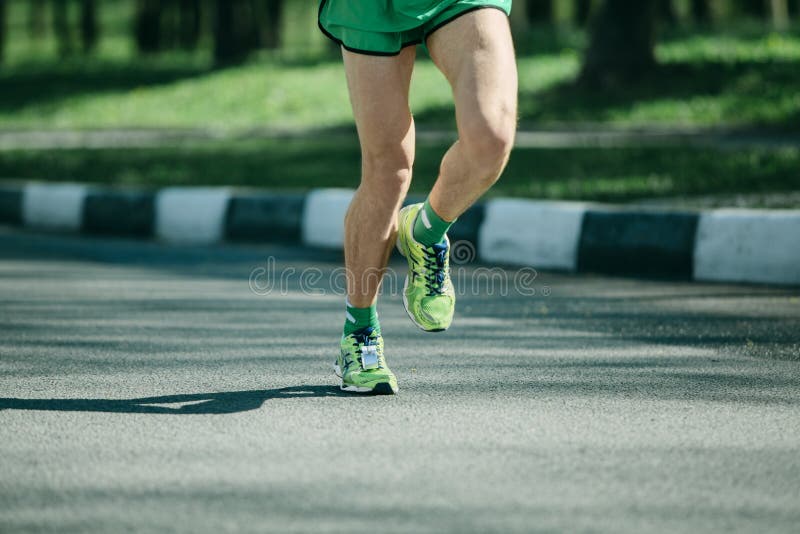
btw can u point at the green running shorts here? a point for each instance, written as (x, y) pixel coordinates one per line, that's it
(384, 27)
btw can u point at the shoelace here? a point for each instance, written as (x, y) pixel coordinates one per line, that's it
(435, 270)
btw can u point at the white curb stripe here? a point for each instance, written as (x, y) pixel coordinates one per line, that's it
(53, 206)
(323, 217)
(191, 214)
(748, 246)
(541, 234)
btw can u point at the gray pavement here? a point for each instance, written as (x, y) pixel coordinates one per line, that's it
(150, 388)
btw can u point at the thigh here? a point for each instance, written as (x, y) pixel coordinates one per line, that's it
(476, 54)
(379, 87)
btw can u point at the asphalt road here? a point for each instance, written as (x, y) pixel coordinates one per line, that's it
(149, 388)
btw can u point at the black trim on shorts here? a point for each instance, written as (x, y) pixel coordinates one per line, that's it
(338, 41)
(454, 17)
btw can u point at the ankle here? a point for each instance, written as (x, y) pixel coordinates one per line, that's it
(359, 318)
(429, 227)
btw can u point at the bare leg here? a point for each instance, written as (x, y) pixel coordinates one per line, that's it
(379, 96)
(476, 55)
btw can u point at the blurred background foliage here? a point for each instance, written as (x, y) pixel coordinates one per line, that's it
(246, 69)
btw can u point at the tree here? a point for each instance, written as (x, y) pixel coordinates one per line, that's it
(89, 29)
(666, 12)
(61, 27)
(237, 31)
(701, 12)
(780, 14)
(583, 10)
(36, 18)
(755, 8)
(271, 28)
(224, 36)
(539, 10)
(189, 25)
(621, 45)
(147, 25)
(519, 18)
(2, 28)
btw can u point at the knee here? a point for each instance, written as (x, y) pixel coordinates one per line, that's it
(387, 167)
(488, 142)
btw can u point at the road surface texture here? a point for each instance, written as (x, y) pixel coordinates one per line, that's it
(153, 388)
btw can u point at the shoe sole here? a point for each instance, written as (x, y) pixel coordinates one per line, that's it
(411, 316)
(381, 388)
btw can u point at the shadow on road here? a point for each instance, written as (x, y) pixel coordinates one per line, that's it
(189, 404)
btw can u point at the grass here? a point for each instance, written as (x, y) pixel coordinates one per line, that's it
(743, 76)
(739, 77)
(707, 80)
(617, 175)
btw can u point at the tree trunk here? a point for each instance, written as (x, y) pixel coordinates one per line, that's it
(701, 13)
(148, 26)
(271, 27)
(36, 18)
(225, 49)
(2, 29)
(248, 25)
(236, 30)
(780, 14)
(756, 8)
(89, 29)
(190, 18)
(539, 11)
(519, 18)
(61, 27)
(666, 12)
(583, 10)
(621, 47)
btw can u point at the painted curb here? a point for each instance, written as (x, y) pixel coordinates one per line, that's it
(10, 205)
(259, 216)
(323, 217)
(637, 242)
(761, 246)
(128, 213)
(53, 206)
(748, 246)
(540, 234)
(191, 214)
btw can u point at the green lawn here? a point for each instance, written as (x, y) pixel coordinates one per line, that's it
(739, 77)
(743, 76)
(594, 174)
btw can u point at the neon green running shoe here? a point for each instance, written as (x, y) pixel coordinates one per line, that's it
(428, 294)
(361, 364)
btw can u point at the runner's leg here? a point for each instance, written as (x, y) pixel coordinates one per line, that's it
(378, 88)
(476, 55)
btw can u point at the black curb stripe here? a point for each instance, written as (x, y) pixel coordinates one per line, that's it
(638, 243)
(275, 218)
(468, 226)
(119, 213)
(11, 205)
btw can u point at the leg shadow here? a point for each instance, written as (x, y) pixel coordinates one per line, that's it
(195, 403)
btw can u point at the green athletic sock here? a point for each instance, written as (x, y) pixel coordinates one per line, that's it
(429, 228)
(359, 318)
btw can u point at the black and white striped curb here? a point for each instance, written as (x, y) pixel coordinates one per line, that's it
(732, 245)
